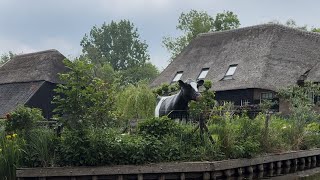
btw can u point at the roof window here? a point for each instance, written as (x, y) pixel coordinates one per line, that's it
(203, 73)
(177, 77)
(230, 72)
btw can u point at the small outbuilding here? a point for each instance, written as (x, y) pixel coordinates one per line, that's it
(29, 79)
(249, 64)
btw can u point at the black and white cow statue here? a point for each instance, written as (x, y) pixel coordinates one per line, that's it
(176, 106)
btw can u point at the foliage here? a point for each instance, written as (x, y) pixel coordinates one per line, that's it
(74, 148)
(10, 155)
(196, 22)
(22, 120)
(133, 75)
(83, 100)
(117, 43)
(226, 21)
(204, 106)
(311, 136)
(166, 89)
(6, 57)
(158, 127)
(301, 101)
(39, 148)
(104, 72)
(136, 102)
(276, 140)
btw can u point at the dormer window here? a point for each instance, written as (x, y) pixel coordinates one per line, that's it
(203, 73)
(230, 72)
(177, 77)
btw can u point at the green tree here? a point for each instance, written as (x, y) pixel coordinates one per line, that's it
(117, 43)
(105, 72)
(226, 21)
(83, 100)
(6, 57)
(136, 74)
(136, 102)
(196, 22)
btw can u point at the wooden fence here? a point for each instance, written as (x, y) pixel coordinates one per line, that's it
(268, 165)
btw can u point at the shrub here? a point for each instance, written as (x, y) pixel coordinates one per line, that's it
(277, 138)
(23, 119)
(73, 148)
(159, 127)
(311, 136)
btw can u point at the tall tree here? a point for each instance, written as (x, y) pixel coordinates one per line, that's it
(196, 22)
(117, 43)
(226, 21)
(117, 53)
(133, 75)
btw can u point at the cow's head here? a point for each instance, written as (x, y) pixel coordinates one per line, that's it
(189, 89)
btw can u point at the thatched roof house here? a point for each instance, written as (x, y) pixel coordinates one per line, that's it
(245, 62)
(29, 79)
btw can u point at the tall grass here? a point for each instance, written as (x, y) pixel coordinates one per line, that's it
(40, 148)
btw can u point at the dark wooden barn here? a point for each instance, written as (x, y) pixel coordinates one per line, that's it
(29, 79)
(249, 64)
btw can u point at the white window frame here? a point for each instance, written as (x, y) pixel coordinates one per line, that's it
(203, 73)
(178, 76)
(230, 72)
(244, 102)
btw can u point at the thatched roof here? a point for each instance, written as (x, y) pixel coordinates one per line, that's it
(268, 56)
(314, 74)
(12, 95)
(39, 66)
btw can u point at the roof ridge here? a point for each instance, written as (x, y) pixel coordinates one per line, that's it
(269, 25)
(38, 52)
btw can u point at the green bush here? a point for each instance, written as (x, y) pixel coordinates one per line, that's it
(159, 127)
(73, 148)
(23, 119)
(311, 136)
(277, 138)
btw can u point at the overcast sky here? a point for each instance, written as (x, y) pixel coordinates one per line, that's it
(35, 25)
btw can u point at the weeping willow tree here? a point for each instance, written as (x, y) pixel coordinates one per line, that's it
(136, 102)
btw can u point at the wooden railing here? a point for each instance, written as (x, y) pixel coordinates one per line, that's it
(273, 164)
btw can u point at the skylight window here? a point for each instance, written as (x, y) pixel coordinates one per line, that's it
(203, 73)
(178, 76)
(230, 72)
